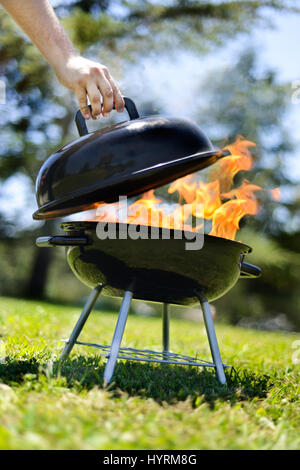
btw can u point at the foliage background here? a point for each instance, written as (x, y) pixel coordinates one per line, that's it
(244, 98)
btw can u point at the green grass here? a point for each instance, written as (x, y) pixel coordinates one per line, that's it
(43, 406)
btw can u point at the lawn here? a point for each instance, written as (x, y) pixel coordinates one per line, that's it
(45, 406)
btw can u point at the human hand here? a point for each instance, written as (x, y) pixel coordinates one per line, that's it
(90, 79)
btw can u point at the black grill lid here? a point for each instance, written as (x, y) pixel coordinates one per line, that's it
(127, 158)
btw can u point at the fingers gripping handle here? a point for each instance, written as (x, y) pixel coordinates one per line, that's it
(81, 124)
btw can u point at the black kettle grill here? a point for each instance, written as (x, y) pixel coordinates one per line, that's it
(130, 158)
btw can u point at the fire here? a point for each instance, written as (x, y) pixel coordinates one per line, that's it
(226, 218)
(276, 194)
(148, 211)
(207, 194)
(216, 200)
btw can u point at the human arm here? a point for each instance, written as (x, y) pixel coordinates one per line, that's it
(83, 76)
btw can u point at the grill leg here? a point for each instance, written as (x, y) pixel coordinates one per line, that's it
(118, 334)
(212, 338)
(81, 321)
(166, 327)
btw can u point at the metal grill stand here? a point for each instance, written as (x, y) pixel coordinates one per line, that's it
(115, 351)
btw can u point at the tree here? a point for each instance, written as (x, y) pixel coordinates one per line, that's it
(244, 100)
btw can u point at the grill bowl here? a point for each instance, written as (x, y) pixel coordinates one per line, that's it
(159, 270)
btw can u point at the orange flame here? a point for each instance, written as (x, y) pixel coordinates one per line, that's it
(224, 205)
(242, 201)
(275, 193)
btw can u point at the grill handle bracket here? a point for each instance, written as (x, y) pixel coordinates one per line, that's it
(60, 240)
(249, 270)
(81, 124)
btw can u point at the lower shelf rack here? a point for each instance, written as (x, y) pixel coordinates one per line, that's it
(148, 355)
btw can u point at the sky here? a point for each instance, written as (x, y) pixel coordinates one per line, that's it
(278, 48)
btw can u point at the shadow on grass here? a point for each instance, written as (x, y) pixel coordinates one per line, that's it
(161, 382)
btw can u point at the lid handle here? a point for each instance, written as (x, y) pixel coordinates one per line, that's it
(81, 124)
